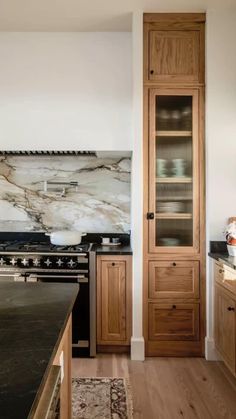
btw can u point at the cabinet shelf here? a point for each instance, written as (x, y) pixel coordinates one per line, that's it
(174, 198)
(174, 133)
(173, 216)
(173, 180)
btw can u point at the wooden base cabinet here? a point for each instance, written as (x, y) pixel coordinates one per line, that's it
(174, 206)
(113, 301)
(225, 315)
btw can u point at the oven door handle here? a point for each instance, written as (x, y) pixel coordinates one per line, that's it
(35, 277)
(17, 276)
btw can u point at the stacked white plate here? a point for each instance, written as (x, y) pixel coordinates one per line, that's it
(174, 206)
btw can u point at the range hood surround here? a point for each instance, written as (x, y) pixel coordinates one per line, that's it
(101, 203)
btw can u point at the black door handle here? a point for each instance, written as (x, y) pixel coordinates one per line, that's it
(150, 215)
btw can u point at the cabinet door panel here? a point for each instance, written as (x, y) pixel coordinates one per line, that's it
(174, 56)
(174, 279)
(173, 171)
(114, 300)
(173, 321)
(225, 327)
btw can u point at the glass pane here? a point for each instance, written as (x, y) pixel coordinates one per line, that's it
(174, 171)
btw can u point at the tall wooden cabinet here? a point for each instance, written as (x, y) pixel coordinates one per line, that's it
(174, 216)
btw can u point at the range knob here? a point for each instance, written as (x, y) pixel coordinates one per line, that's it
(13, 261)
(36, 262)
(59, 262)
(25, 262)
(71, 263)
(47, 262)
(2, 262)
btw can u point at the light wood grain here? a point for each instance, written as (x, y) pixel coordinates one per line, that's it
(173, 279)
(225, 326)
(175, 18)
(177, 321)
(173, 216)
(169, 388)
(174, 56)
(170, 23)
(113, 300)
(174, 133)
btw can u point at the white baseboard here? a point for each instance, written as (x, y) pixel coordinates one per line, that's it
(137, 349)
(211, 353)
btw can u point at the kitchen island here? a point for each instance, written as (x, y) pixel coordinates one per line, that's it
(33, 319)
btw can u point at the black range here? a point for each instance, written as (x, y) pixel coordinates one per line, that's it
(34, 259)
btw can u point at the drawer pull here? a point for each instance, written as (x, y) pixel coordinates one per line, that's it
(221, 271)
(230, 308)
(151, 71)
(174, 264)
(174, 306)
(113, 264)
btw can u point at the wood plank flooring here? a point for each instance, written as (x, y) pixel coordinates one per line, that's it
(169, 388)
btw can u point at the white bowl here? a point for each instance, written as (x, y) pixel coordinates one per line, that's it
(231, 250)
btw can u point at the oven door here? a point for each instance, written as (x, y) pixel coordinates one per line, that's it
(81, 310)
(6, 276)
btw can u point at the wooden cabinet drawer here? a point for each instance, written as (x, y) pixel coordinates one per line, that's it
(225, 276)
(176, 321)
(174, 279)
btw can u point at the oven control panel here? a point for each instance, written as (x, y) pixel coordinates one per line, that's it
(37, 262)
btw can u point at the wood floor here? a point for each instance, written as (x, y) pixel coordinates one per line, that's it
(169, 388)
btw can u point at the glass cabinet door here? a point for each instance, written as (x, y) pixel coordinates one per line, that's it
(173, 171)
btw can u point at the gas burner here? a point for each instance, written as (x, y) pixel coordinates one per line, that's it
(41, 247)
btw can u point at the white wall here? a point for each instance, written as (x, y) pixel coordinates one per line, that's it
(65, 91)
(220, 137)
(221, 119)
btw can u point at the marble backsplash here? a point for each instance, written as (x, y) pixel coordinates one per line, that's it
(100, 202)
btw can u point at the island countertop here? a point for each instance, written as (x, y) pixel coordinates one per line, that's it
(32, 321)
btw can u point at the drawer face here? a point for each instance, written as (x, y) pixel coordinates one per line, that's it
(173, 279)
(173, 321)
(225, 276)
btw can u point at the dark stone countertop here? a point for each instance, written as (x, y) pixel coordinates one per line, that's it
(32, 320)
(225, 258)
(219, 252)
(112, 250)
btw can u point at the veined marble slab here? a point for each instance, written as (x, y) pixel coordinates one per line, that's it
(101, 202)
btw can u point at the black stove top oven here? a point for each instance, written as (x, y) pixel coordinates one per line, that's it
(34, 261)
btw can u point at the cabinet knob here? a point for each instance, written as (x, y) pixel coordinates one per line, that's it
(113, 264)
(221, 271)
(230, 309)
(174, 306)
(150, 215)
(151, 71)
(174, 263)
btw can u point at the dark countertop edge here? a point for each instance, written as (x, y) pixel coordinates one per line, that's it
(112, 250)
(45, 376)
(224, 257)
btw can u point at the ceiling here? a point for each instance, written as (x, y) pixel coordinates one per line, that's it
(88, 15)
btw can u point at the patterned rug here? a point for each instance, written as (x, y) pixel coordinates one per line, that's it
(101, 398)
